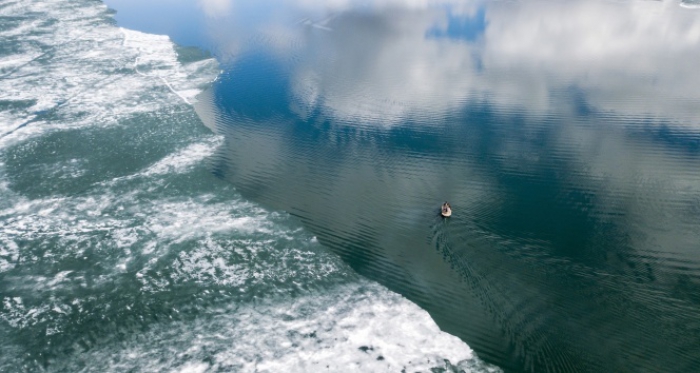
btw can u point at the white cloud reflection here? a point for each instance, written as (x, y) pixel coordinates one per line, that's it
(627, 59)
(216, 8)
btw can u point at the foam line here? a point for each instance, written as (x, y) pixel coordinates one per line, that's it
(136, 68)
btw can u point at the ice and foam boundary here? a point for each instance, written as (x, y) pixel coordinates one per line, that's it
(73, 69)
(73, 64)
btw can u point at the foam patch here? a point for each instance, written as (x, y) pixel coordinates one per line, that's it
(88, 74)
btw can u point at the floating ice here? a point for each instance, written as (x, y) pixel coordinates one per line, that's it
(185, 159)
(359, 327)
(90, 73)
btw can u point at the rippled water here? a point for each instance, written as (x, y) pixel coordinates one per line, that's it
(564, 134)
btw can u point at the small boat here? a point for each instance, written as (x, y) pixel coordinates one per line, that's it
(446, 210)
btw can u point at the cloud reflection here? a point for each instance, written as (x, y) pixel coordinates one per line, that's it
(216, 8)
(545, 58)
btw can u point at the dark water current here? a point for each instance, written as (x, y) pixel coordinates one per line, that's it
(565, 135)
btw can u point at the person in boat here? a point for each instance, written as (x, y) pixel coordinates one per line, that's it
(446, 209)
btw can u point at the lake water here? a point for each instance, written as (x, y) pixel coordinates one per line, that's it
(259, 189)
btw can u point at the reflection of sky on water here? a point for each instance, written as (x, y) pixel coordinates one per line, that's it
(183, 23)
(550, 218)
(461, 27)
(388, 61)
(419, 62)
(566, 134)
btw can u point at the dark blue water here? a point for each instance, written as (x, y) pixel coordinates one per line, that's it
(565, 135)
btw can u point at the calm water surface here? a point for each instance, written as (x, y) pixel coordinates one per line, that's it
(566, 136)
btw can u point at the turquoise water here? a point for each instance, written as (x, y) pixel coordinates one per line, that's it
(259, 189)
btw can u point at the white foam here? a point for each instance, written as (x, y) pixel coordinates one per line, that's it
(222, 240)
(105, 87)
(359, 327)
(9, 254)
(185, 159)
(194, 368)
(362, 327)
(157, 57)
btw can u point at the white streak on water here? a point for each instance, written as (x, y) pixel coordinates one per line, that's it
(186, 158)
